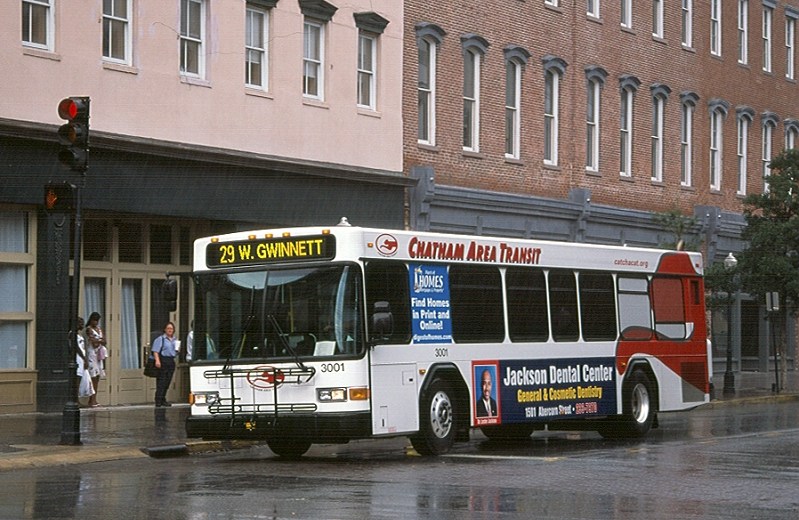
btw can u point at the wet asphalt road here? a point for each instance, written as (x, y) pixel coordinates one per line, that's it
(731, 462)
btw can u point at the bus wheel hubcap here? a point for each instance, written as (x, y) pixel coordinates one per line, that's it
(440, 415)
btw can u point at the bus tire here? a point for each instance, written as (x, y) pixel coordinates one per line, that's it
(638, 409)
(288, 448)
(437, 426)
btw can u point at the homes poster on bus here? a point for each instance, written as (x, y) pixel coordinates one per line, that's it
(546, 390)
(430, 311)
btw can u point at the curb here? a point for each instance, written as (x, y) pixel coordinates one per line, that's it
(36, 456)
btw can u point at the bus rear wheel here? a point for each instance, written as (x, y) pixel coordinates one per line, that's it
(638, 409)
(436, 420)
(288, 448)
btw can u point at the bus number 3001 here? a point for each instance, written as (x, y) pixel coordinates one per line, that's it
(332, 367)
(442, 352)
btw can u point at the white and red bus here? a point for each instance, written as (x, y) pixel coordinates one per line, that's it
(323, 335)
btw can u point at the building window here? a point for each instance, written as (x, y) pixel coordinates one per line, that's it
(790, 47)
(367, 69)
(768, 12)
(592, 8)
(256, 54)
(689, 100)
(687, 23)
(370, 26)
(657, 18)
(37, 24)
(627, 14)
(513, 73)
(116, 31)
(743, 31)
(744, 122)
(769, 123)
(592, 126)
(553, 69)
(312, 59)
(471, 101)
(718, 110)
(715, 27)
(553, 3)
(474, 48)
(659, 95)
(192, 36)
(16, 314)
(629, 85)
(791, 133)
(428, 39)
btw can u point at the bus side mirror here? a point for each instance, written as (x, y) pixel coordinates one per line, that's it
(169, 291)
(382, 325)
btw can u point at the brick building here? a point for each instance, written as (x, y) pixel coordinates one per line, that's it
(578, 120)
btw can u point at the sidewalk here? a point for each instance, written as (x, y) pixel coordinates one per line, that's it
(32, 440)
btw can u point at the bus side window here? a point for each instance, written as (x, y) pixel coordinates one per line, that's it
(389, 282)
(635, 310)
(563, 302)
(597, 306)
(475, 294)
(527, 304)
(669, 306)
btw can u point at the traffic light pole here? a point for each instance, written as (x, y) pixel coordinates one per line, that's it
(70, 423)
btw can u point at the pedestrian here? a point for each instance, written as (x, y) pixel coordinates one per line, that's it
(96, 352)
(85, 388)
(164, 351)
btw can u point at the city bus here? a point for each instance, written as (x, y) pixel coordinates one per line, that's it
(328, 334)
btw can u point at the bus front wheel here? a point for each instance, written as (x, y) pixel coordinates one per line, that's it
(288, 448)
(436, 420)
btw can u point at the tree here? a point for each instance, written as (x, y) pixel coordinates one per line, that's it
(771, 260)
(680, 227)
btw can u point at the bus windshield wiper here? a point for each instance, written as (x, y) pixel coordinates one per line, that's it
(236, 349)
(286, 343)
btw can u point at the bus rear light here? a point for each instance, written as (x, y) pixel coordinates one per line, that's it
(328, 395)
(359, 394)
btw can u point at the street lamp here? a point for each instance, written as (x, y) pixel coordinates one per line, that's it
(730, 264)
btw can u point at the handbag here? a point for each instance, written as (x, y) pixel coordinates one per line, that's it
(150, 370)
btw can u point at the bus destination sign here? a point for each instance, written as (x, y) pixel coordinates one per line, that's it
(270, 250)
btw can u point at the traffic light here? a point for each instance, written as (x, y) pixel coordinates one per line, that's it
(59, 196)
(74, 134)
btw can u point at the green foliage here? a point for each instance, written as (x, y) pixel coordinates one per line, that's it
(680, 228)
(771, 261)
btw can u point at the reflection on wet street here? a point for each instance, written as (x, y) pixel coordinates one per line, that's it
(712, 463)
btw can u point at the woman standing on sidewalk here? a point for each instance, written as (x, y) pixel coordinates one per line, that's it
(164, 351)
(95, 353)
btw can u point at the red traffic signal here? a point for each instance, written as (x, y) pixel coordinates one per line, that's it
(74, 134)
(59, 196)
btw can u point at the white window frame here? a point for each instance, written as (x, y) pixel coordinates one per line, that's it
(790, 47)
(765, 152)
(30, 8)
(768, 14)
(687, 23)
(626, 133)
(471, 101)
(592, 125)
(657, 18)
(313, 59)
(553, 3)
(592, 8)
(627, 14)
(427, 95)
(791, 137)
(743, 152)
(113, 21)
(686, 144)
(513, 89)
(743, 32)
(716, 148)
(253, 49)
(367, 71)
(715, 27)
(551, 115)
(187, 40)
(658, 114)
(16, 254)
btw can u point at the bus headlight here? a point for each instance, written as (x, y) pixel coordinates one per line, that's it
(204, 398)
(327, 395)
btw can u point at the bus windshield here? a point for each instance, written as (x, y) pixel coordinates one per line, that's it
(279, 314)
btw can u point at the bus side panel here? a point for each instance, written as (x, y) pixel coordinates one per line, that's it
(394, 396)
